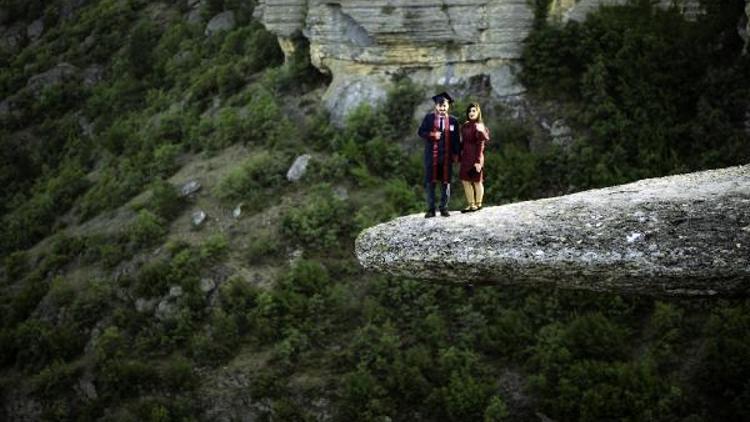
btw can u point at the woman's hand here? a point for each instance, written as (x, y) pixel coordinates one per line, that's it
(480, 127)
(477, 167)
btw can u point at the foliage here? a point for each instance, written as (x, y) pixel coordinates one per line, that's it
(644, 92)
(255, 179)
(146, 229)
(643, 82)
(320, 223)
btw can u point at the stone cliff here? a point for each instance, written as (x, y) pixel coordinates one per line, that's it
(363, 44)
(680, 235)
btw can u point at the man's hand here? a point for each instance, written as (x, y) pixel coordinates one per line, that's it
(435, 135)
(480, 127)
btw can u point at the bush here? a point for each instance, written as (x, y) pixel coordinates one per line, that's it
(403, 97)
(38, 344)
(725, 368)
(219, 343)
(262, 246)
(321, 223)
(253, 180)
(165, 201)
(593, 336)
(623, 73)
(147, 229)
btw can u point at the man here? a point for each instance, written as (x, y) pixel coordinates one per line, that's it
(441, 148)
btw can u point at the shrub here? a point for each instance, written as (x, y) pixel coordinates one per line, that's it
(165, 201)
(726, 365)
(263, 245)
(214, 248)
(593, 336)
(321, 223)
(403, 97)
(496, 411)
(251, 180)
(54, 380)
(219, 343)
(306, 277)
(147, 228)
(38, 343)
(15, 264)
(463, 398)
(139, 50)
(164, 161)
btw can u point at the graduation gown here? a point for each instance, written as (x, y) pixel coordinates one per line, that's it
(438, 161)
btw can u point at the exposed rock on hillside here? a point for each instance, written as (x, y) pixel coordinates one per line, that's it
(680, 235)
(363, 43)
(576, 10)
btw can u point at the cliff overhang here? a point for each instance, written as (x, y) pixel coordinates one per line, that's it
(683, 235)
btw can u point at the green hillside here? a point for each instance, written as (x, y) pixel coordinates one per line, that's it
(115, 305)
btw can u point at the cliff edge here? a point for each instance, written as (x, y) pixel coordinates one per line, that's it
(681, 235)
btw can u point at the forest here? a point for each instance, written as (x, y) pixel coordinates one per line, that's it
(115, 307)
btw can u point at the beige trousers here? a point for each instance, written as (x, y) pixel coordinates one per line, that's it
(474, 192)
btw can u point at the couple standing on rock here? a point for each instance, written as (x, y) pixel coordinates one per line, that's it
(443, 146)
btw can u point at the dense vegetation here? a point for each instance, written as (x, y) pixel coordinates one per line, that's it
(104, 308)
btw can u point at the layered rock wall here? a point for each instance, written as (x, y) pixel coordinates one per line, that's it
(446, 43)
(362, 44)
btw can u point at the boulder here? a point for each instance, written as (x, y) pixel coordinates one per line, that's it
(222, 22)
(680, 235)
(35, 29)
(298, 168)
(61, 73)
(92, 75)
(198, 218)
(12, 38)
(190, 188)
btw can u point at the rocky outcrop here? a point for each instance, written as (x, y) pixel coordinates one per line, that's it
(576, 10)
(362, 44)
(680, 235)
(222, 22)
(61, 73)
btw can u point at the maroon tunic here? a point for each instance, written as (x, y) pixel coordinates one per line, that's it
(472, 151)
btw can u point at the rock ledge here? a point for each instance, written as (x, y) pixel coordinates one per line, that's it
(681, 235)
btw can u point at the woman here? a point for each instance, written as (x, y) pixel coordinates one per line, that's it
(474, 134)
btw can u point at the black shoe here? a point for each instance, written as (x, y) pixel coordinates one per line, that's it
(429, 214)
(445, 213)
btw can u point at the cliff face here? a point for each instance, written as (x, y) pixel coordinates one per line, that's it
(679, 235)
(363, 43)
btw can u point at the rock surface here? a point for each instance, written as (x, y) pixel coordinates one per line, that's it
(224, 21)
(61, 73)
(363, 44)
(679, 235)
(298, 168)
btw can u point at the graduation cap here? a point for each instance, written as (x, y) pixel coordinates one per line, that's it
(442, 96)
